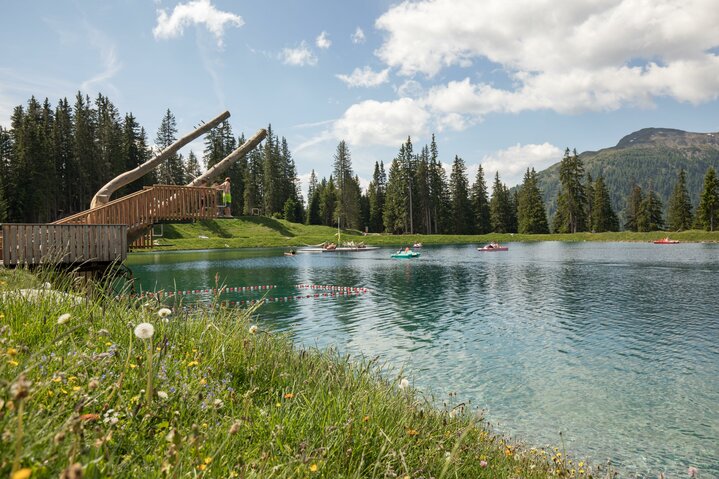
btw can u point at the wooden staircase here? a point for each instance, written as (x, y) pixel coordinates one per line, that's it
(154, 204)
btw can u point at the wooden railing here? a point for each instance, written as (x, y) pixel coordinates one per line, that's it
(154, 204)
(36, 244)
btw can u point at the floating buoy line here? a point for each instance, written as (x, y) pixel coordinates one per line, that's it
(316, 291)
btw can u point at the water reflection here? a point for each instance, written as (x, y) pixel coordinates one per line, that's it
(613, 344)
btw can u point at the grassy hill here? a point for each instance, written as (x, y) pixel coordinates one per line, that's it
(652, 156)
(259, 231)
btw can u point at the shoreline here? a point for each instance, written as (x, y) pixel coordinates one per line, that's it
(255, 232)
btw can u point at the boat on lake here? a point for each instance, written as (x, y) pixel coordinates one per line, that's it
(406, 254)
(493, 247)
(666, 241)
(417, 245)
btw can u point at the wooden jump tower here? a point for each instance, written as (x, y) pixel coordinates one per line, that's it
(103, 234)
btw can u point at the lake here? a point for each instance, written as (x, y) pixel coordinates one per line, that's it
(616, 345)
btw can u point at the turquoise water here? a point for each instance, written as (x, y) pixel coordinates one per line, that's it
(615, 345)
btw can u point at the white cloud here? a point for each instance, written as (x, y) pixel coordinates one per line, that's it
(512, 162)
(196, 12)
(299, 56)
(358, 36)
(411, 89)
(382, 123)
(564, 55)
(365, 77)
(323, 42)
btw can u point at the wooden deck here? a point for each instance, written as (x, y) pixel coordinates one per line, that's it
(45, 244)
(154, 204)
(104, 234)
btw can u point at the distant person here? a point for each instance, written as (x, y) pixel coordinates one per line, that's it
(226, 197)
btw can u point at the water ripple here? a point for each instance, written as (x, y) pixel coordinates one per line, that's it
(615, 345)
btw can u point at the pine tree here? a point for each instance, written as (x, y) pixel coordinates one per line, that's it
(572, 199)
(634, 208)
(423, 187)
(500, 208)
(171, 171)
(480, 204)
(347, 191)
(439, 192)
(394, 207)
(603, 216)
(708, 211)
(462, 217)
(5, 159)
(192, 167)
(109, 138)
(252, 196)
(531, 215)
(328, 203)
(679, 213)
(375, 196)
(85, 152)
(650, 217)
(313, 201)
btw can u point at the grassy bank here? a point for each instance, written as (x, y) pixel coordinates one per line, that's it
(209, 393)
(254, 231)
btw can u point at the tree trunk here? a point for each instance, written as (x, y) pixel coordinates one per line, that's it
(227, 161)
(103, 195)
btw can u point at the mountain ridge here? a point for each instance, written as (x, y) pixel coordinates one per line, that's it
(651, 157)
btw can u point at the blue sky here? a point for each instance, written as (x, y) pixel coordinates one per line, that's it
(505, 84)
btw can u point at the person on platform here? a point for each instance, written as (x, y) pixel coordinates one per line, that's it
(226, 197)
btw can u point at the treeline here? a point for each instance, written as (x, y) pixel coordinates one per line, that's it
(417, 197)
(54, 159)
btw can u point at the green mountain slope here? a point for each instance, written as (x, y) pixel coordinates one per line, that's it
(652, 156)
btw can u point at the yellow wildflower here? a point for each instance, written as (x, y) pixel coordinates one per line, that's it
(108, 343)
(76, 388)
(72, 378)
(412, 432)
(11, 351)
(208, 460)
(23, 473)
(278, 405)
(192, 363)
(56, 379)
(202, 467)
(289, 396)
(12, 362)
(365, 419)
(133, 366)
(203, 381)
(313, 468)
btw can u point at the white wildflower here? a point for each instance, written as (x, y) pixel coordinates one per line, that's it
(64, 318)
(144, 330)
(218, 403)
(46, 285)
(162, 394)
(253, 329)
(404, 384)
(164, 313)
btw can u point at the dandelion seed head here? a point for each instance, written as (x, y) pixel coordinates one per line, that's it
(144, 330)
(64, 318)
(164, 312)
(162, 394)
(253, 329)
(404, 384)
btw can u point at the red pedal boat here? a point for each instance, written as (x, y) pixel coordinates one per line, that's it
(493, 247)
(666, 241)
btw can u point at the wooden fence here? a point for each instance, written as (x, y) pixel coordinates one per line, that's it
(36, 244)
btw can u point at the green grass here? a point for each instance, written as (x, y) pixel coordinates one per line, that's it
(257, 231)
(227, 402)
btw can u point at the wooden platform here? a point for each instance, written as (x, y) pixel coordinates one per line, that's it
(25, 244)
